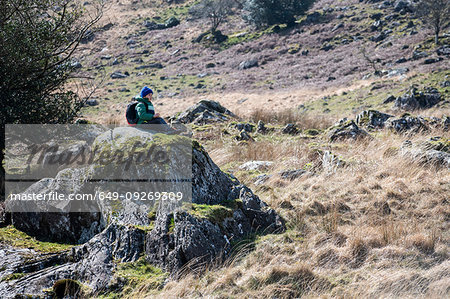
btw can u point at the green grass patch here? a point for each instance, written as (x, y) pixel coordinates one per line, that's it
(14, 237)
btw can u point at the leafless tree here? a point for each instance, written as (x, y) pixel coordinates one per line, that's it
(435, 13)
(217, 11)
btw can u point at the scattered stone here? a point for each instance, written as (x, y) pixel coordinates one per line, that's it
(91, 102)
(408, 123)
(118, 75)
(262, 179)
(443, 50)
(326, 47)
(419, 55)
(131, 42)
(338, 26)
(261, 127)
(432, 60)
(397, 72)
(256, 165)
(220, 112)
(346, 129)
(445, 83)
(156, 65)
(76, 65)
(414, 99)
(248, 64)
(372, 119)
(243, 136)
(172, 22)
(244, 126)
(290, 129)
(401, 60)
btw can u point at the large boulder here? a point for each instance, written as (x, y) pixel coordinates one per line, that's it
(217, 211)
(414, 99)
(203, 112)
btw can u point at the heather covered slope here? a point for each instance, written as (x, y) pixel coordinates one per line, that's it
(321, 56)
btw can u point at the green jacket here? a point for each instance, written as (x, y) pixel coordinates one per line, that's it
(142, 112)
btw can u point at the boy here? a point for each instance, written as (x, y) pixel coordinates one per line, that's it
(145, 110)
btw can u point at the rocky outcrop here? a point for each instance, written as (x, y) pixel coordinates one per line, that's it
(414, 99)
(204, 112)
(91, 264)
(408, 123)
(220, 211)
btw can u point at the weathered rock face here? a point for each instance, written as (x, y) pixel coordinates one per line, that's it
(92, 264)
(372, 119)
(222, 212)
(414, 99)
(181, 239)
(204, 112)
(346, 129)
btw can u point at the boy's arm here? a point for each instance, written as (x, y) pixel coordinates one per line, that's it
(142, 112)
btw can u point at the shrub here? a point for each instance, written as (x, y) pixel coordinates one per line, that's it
(269, 12)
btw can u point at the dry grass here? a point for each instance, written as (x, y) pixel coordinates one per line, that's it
(376, 227)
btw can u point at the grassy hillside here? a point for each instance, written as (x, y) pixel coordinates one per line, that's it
(363, 218)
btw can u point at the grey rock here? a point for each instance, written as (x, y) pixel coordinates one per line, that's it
(76, 64)
(92, 102)
(419, 55)
(445, 83)
(256, 165)
(337, 27)
(118, 75)
(262, 179)
(92, 264)
(156, 65)
(244, 126)
(290, 129)
(372, 119)
(346, 129)
(432, 60)
(261, 127)
(243, 136)
(183, 240)
(443, 50)
(248, 64)
(397, 72)
(172, 22)
(213, 107)
(414, 99)
(407, 123)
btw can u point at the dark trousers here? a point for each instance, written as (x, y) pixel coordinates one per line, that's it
(156, 121)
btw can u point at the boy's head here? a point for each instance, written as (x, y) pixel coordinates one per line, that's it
(145, 92)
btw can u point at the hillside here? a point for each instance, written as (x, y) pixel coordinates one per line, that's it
(321, 57)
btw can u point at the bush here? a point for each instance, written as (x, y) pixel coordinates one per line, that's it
(269, 12)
